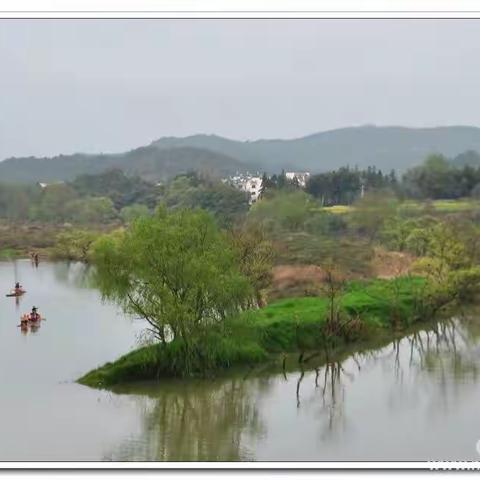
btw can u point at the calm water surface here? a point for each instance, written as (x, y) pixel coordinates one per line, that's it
(417, 399)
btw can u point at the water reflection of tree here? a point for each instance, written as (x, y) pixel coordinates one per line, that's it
(447, 351)
(196, 421)
(440, 360)
(440, 365)
(76, 274)
(331, 382)
(212, 420)
(328, 396)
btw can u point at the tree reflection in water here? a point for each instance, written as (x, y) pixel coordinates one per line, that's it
(195, 421)
(77, 274)
(224, 419)
(441, 360)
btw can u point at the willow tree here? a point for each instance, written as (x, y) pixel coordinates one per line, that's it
(176, 270)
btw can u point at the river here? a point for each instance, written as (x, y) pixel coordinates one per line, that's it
(414, 399)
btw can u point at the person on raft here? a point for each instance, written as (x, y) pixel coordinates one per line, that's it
(18, 287)
(34, 315)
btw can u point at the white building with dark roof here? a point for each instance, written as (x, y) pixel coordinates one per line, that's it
(253, 186)
(301, 177)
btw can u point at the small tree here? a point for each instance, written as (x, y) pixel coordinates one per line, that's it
(74, 245)
(338, 323)
(447, 266)
(371, 212)
(332, 287)
(283, 211)
(255, 257)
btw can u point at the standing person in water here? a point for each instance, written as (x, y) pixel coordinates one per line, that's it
(34, 258)
(34, 315)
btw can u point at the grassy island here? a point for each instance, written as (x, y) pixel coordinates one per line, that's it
(370, 310)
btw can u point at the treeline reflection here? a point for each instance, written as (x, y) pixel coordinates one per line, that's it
(223, 419)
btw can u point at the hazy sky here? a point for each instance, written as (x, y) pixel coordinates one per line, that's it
(111, 85)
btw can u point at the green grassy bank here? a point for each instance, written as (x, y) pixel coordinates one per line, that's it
(286, 326)
(442, 206)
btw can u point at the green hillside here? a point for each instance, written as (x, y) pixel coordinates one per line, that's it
(387, 148)
(384, 147)
(150, 163)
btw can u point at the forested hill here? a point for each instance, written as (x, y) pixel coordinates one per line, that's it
(387, 148)
(150, 163)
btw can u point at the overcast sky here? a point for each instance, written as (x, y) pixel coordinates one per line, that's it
(111, 85)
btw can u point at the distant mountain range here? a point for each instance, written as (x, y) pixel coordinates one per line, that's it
(150, 163)
(387, 148)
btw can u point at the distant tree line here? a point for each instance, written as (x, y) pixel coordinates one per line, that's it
(112, 196)
(87, 199)
(437, 178)
(337, 187)
(274, 183)
(345, 185)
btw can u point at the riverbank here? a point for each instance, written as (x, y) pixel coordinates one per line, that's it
(18, 239)
(372, 311)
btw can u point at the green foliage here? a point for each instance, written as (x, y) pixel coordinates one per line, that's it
(15, 201)
(344, 186)
(322, 222)
(396, 232)
(410, 234)
(227, 204)
(53, 203)
(449, 262)
(466, 283)
(255, 257)
(132, 212)
(439, 178)
(74, 245)
(121, 189)
(284, 211)
(7, 253)
(174, 269)
(90, 210)
(372, 211)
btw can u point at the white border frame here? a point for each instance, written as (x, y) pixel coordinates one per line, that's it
(299, 465)
(241, 9)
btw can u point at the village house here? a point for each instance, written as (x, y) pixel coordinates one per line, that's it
(254, 187)
(252, 184)
(301, 177)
